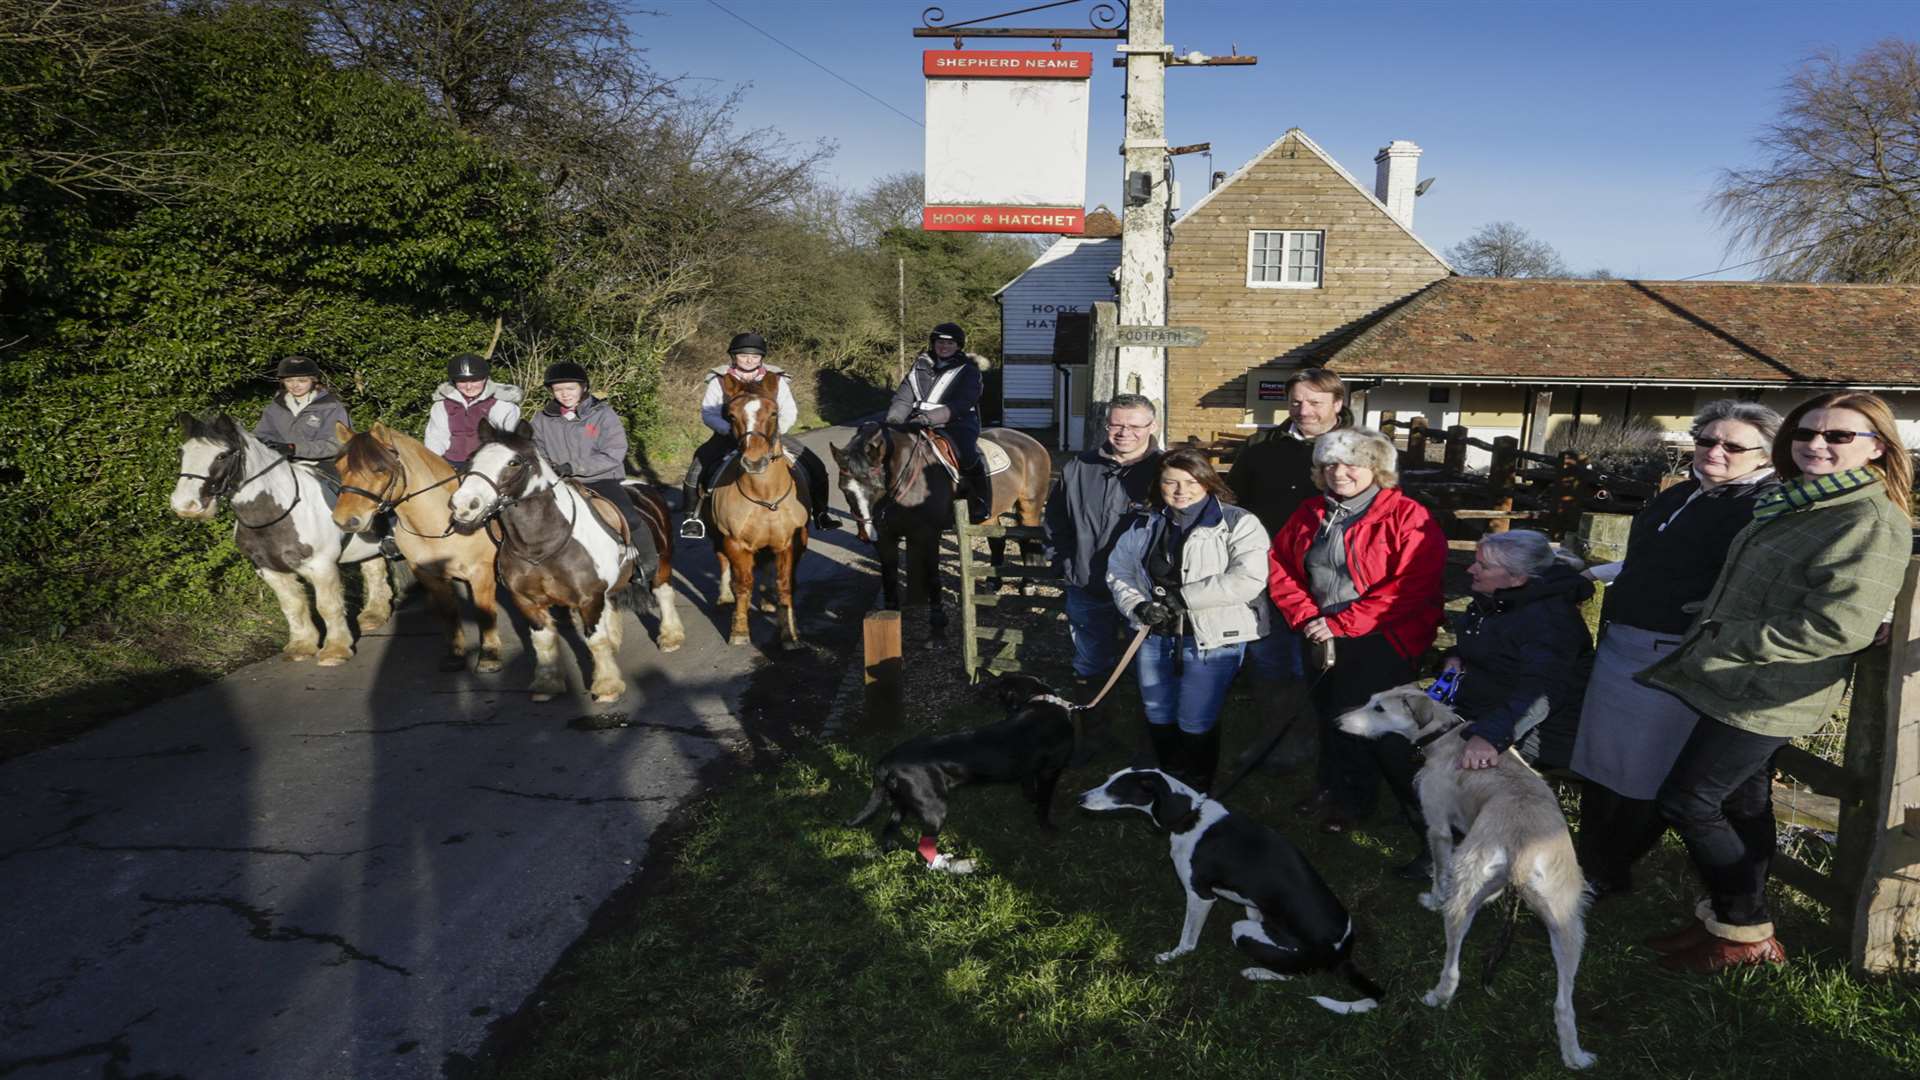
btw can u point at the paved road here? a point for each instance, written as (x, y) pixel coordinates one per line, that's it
(301, 872)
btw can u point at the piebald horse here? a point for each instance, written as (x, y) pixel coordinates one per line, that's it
(559, 547)
(385, 470)
(898, 489)
(758, 505)
(283, 526)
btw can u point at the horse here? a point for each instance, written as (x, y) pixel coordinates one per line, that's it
(385, 470)
(897, 488)
(283, 526)
(759, 504)
(561, 547)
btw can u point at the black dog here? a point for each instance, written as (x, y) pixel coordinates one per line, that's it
(1032, 746)
(1294, 923)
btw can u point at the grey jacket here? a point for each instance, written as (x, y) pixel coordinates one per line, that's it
(1094, 500)
(593, 443)
(1223, 571)
(311, 432)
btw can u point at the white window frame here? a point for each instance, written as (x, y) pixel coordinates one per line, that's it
(1289, 245)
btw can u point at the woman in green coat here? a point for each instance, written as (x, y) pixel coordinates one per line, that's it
(1805, 587)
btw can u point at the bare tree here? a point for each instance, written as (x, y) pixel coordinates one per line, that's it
(891, 202)
(1504, 249)
(1839, 197)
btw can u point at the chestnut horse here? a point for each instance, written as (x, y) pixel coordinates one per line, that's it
(759, 504)
(897, 489)
(385, 470)
(282, 527)
(562, 546)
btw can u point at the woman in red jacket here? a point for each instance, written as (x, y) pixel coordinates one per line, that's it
(1360, 569)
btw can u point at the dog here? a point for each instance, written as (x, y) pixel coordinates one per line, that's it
(1514, 835)
(1032, 746)
(1294, 923)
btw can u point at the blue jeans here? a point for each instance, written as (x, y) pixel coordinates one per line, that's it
(1097, 628)
(1191, 698)
(1281, 656)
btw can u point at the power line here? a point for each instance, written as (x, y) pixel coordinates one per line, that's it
(817, 64)
(1750, 262)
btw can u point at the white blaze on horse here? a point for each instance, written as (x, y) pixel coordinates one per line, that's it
(383, 470)
(563, 546)
(758, 507)
(285, 527)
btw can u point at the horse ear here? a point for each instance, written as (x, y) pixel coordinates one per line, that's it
(184, 421)
(839, 454)
(342, 433)
(224, 427)
(381, 434)
(487, 432)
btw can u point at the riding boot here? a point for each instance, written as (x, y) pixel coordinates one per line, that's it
(979, 493)
(383, 529)
(1200, 758)
(691, 527)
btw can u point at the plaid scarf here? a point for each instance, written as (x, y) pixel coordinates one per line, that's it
(1804, 492)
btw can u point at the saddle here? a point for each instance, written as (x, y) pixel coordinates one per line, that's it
(609, 515)
(991, 454)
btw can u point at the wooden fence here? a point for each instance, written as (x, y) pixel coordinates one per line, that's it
(987, 648)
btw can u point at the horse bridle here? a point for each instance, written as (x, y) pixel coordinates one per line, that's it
(384, 503)
(773, 447)
(503, 502)
(895, 488)
(223, 491)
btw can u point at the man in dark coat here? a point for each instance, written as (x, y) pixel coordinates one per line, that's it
(942, 391)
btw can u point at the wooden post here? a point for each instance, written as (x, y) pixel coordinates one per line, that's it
(884, 671)
(1602, 538)
(1566, 495)
(1104, 372)
(1673, 479)
(1878, 861)
(1416, 455)
(1537, 427)
(963, 539)
(1456, 459)
(1500, 478)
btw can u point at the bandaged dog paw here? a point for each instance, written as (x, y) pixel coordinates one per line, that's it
(947, 864)
(1170, 955)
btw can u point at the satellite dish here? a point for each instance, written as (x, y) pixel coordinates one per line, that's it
(1421, 188)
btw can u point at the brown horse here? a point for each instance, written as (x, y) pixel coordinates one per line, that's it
(898, 489)
(758, 505)
(382, 469)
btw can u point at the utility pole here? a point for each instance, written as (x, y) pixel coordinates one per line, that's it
(1143, 231)
(902, 373)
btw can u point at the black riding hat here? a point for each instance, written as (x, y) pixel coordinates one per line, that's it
(948, 332)
(296, 367)
(468, 366)
(747, 343)
(566, 371)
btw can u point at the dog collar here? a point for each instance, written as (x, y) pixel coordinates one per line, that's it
(1425, 741)
(1055, 699)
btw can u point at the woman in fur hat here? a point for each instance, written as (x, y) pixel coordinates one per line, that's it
(1358, 573)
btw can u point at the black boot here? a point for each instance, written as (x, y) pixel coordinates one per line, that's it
(383, 529)
(1165, 739)
(691, 527)
(1200, 758)
(1420, 868)
(979, 493)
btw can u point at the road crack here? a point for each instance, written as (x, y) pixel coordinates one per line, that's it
(579, 800)
(261, 927)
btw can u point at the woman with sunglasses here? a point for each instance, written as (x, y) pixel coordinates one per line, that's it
(1805, 587)
(1629, 734)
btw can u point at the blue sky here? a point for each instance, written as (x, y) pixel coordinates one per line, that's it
(1598, 126)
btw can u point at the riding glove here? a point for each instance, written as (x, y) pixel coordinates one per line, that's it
(284, 449)
(917, 420)
(564, 468)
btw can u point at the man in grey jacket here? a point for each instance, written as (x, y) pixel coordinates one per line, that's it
(1099, 493)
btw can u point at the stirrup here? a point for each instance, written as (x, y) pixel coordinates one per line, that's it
(391, 550)
(693, 529)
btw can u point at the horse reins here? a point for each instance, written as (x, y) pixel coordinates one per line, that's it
(235, 489)
(501, 503)
(384, 503)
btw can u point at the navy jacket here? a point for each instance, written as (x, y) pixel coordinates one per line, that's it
(1526, 651)
(1092, 503)
(955, 410)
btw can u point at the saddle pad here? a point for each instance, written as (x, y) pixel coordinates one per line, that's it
(996, 457)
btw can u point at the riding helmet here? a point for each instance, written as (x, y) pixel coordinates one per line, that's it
(296, 367)
(566, 371)
(747, 343)
(947, 331)
(468, 366)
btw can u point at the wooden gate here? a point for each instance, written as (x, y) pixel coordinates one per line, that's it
(987, 649)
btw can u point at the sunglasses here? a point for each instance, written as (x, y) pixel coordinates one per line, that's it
(1730, 447)
(1834, 438)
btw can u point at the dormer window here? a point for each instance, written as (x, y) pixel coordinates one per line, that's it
(1284, 259)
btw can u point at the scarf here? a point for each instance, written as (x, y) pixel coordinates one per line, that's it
(753, 376)
(1807, 490)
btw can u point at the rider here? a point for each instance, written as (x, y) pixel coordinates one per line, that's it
(748, 365)
(467, 397)
(582, 438)
(942, 391)
(299, 421)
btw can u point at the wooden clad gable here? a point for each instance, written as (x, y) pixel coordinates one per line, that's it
(1369, 263)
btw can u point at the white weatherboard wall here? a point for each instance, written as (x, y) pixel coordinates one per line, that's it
(1007, 142)
(1069, 276)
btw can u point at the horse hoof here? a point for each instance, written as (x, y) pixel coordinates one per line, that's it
(453, 662)
(488, 665)
(333, 659)
(740, 639)
(605, 696)
(541, 695)
(672, 644)
(369, 622)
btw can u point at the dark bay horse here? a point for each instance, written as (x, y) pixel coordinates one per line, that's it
(898, 490)
(758, 506)
(561, 547)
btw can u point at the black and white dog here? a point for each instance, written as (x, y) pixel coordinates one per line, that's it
(1031, 746)
(1294, 923)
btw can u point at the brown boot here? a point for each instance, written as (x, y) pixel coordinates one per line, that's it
(1719, 954)
(1691, 936)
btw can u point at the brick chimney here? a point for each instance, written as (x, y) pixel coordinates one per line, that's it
(1395, 167)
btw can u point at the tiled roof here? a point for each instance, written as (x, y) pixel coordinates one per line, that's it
(1646, 332)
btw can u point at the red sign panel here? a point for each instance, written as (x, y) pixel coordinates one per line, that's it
(1033, 219)
(1000, 64)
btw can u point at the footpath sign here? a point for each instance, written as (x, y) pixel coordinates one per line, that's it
(1006, 140)
(1166, 336)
